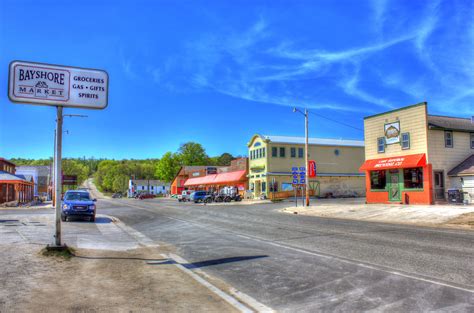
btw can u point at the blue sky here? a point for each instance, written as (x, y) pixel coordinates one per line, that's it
(217, 72)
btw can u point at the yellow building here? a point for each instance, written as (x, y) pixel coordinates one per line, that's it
(414, 157)
(271, 159)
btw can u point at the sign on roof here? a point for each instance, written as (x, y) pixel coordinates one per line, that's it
(57, 85)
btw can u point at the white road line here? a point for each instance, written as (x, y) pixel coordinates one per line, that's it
(251, 305)
(375, 267)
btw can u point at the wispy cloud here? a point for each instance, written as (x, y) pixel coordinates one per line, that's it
(258, 64)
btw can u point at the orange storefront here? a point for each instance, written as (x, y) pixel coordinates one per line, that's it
(217, 181)
(403, 179)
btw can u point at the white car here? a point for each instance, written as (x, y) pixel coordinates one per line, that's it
(185, 196)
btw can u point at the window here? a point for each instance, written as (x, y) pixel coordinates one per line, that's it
(337, 152)
(378, 180)
(274, 152)
(472, 140)
(251, 155)
(282, 152)
(274, 187)
(264, 186)
(286, 187)
(293, 152)
(381, 145)
(257, 153)
(413, 177)
(263, 149)
(448, 139)
(405, 141)
(300, 153)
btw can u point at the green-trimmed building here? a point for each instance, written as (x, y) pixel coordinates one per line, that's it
(271, 159)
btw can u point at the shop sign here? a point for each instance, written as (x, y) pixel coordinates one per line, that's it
(311, 168)
(57, 85)
(211, 170)
(394, 162)
(392, 133)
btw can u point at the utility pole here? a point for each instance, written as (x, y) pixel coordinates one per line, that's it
(306, 157)
(58, 175)
(305, 113)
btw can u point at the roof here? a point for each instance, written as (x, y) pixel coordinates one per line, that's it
(315, 141)
(42, 170)
(466, 168)
(220, 178)
(28, 178)
(5, 176)
(450, 123)
(6, 161)
(151, 182)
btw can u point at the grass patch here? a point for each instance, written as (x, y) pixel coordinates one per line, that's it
(65, 253)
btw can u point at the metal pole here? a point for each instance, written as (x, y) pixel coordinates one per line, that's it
(57, 174)
(306, 156)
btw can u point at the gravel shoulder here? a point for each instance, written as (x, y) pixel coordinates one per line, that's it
(98, 281)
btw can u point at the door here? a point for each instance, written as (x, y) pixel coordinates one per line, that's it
(394, 193)
(257, 188)
(439, 185)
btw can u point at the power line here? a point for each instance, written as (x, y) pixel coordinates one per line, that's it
(335, 121)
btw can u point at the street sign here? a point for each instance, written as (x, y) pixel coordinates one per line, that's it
(69, 180)
(57, 85)
(312, 168)
(299, 175)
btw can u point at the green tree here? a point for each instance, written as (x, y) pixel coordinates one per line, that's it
(224, 159)
(168, 166)
(192, 153)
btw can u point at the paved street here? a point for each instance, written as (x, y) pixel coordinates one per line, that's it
(295, 263)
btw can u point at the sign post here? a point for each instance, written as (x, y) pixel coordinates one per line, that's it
(57, 175)
(58, 86)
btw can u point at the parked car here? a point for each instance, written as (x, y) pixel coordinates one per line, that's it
(78, 203)
(146, 196)
(198, 196)
(185, 196)
(117, 195)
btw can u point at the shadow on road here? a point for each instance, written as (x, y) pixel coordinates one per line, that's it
(211, 262)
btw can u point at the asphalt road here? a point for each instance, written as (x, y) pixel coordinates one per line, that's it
(306, 264)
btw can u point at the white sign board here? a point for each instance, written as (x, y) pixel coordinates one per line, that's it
(392, 133)
(56, 85)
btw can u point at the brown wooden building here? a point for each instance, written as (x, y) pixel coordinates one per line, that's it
(14, 187)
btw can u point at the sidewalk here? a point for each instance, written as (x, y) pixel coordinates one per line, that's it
(454, 216)
(111, 272)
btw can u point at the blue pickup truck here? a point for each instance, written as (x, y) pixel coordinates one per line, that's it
(198, 196)
(77, 203)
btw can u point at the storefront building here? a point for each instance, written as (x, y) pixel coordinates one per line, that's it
(409, 153)
(271, 159)
(14, 187)
(234, 175)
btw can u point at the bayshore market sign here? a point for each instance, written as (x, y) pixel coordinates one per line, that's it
(56, 85)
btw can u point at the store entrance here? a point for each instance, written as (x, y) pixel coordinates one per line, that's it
(439, 185)
(394, 186)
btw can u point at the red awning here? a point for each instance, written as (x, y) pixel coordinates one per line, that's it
(403, 161)
(230, 177)
(215, 179)
(197, 181)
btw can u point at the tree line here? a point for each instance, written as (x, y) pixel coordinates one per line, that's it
(113, 175)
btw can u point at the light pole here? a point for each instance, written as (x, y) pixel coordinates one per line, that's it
(58, 171)
(305, 113)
